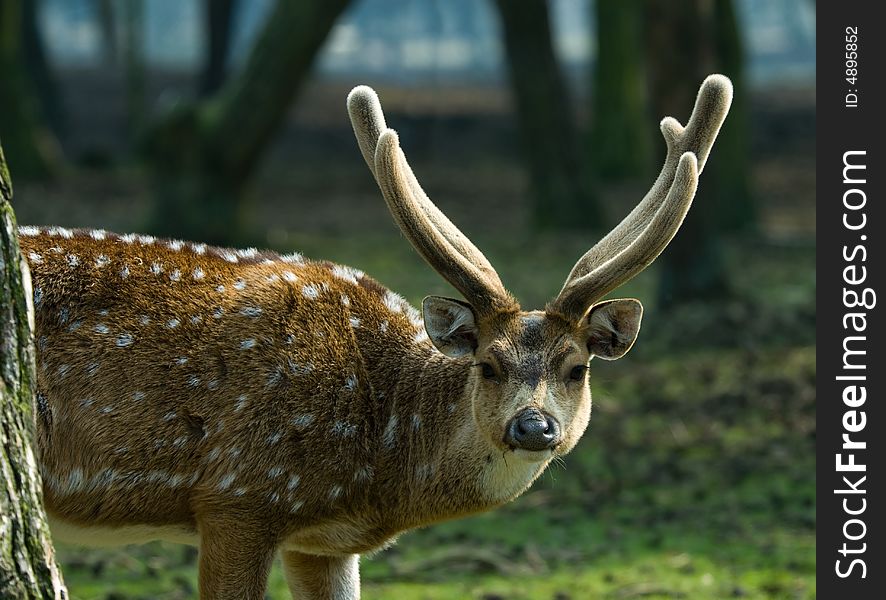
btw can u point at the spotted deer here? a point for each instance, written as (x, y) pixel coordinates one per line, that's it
(252, 403)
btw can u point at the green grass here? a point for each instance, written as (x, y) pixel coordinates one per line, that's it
(695, 478)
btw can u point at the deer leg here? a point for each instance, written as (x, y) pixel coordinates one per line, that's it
(322, 577)
(234, 561)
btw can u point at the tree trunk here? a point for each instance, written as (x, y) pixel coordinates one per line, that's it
(562, 195)
(34, 149)
(27, 561)
(621, 109)
(218, 19)
(737, 210)
(680, 53)
(203, 155)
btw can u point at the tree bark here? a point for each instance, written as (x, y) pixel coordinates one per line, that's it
(562, 195)
(27, 560)
(621, 109)
(203, 154)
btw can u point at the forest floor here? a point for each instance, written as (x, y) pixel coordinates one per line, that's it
(696, 477)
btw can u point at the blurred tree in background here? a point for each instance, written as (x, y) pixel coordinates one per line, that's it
(683, 45)
(219, 18)
(620, 140)
(561, 195)
(202, 154)
(24, 127)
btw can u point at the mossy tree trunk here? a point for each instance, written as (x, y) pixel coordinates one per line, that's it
(218, 18)
(562, 195)
(27, 561)
(620, 131)
(203, 154)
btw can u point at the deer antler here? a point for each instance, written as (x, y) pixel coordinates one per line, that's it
(435, 237)
(646, 231)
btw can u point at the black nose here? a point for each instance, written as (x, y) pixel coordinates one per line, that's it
(532, 430)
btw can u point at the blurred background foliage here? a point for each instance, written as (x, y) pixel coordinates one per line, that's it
(534, 125)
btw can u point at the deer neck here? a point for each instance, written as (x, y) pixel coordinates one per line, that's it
(433, 461)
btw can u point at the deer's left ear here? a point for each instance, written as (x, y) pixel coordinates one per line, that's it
(612, 327)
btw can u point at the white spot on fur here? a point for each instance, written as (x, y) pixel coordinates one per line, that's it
(310, 291)
(181, 360)
(28, 230)
(128, 238)
(220, 288)
(101, 261)
(199, 274)
(250, 311)
(390, 435)
(240, 284)
(193, 380)
(196, 319)
(35, 258)
(234, 452)
(147, 240)
(173, 323)
(60, 231)
(344, 429)
(296, 505)
(347, 273)
(124, 272)
(63, 369)
(247, 253)
(170, 416)
(421, 337)
(226, 481)
(241, 402)
(363, 474)
(351, 382)
(87, 402)
(175, 245)
(293, 482)
(38, 296)
(156, 268)
(289, 276)
(247, 344)
(228, 256)
(240, 491)
(75, 325)
(218, 312)
(175, 275)
(355, 322)
(180, 441)
(124, 340)
(212, 454)
(274, 497)
(345, 301)
(274, 438)
(92, 369)
(334, 492)
(274, 472)
(213, 384)
(98, 234)
(73, 260)
(272, 278)
(303, 420)
(107, 409)
(103, 312)
(295, 258)
(101, 328)
(394, 301)
(416, 422)
(199, 248)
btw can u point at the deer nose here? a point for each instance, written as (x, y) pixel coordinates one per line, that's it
(533, 430)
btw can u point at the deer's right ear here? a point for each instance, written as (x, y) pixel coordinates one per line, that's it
(450, 325)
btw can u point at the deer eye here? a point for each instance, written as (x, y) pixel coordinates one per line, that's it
(487, 371)
(578, 373)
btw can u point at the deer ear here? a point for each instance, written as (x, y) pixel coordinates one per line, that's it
(450, 325)
(612, 327)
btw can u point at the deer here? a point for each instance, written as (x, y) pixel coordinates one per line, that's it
(253, 404)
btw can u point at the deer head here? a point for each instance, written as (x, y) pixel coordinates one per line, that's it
(528, 386)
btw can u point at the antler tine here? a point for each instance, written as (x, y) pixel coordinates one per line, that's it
(397, 182)
(368, 121)
(697, 138)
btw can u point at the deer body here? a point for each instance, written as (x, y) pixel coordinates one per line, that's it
(250, 403)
